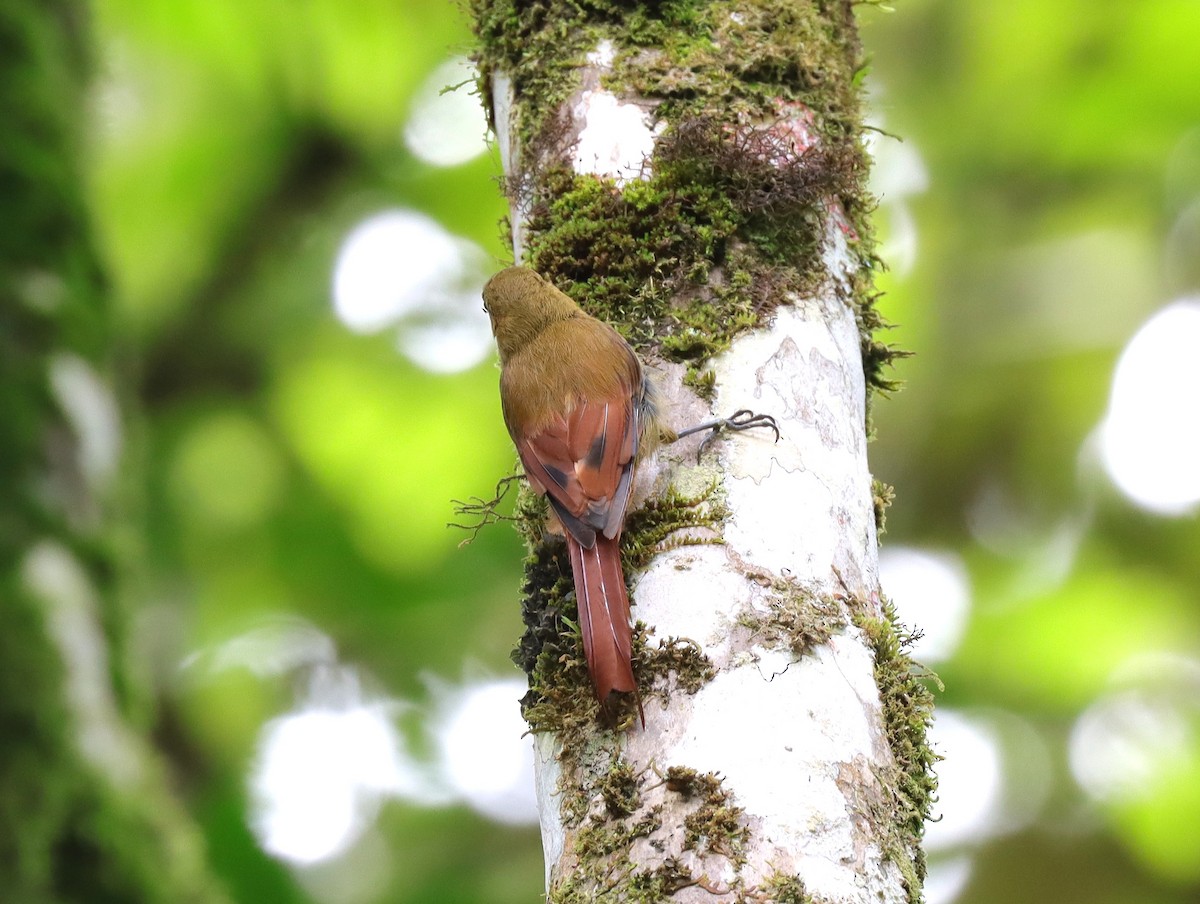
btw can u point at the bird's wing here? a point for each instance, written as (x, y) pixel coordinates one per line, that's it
(584, 462)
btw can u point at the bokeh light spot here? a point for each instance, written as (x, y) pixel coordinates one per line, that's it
(323, 770)
(946, 878)
(1136, 753)
(272, 645)
(91, 408)
(898, 174)
(969, 781)
(931, 592)
(401, 268)
(386, 264)
(486, 756)
(447, 127)
(445, 345)
(1150, 438)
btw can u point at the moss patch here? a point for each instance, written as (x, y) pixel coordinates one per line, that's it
(716, 826)
(761, 103)
(707, 247)
(784, 889)
(907, 714)
(738, 57)
(660, 883)
(551, 649)
(603, 851)
(882, 495)
(678, 659)
(795, 619)
(603, 867)
(670, 521)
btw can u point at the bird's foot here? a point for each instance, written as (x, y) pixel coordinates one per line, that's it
(744, 419)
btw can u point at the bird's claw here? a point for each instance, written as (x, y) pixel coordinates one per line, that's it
(744, 419)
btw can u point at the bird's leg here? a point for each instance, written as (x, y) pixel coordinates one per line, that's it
(744, 419)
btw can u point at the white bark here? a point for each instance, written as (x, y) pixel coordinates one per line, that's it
(797, 739)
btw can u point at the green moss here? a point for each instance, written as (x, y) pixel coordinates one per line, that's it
(660, 883)
(703, 383)
(693, 56)
(620, 790)
(715, 826)
(718, 236)
(602, 850)
(545, 608)
(604, 839)
(560, 697)
(529, 514)
(785, 889)
(794, 619)
(539, 45)
(897, 806)
(550, 651)
(759, 157)
(672, 520)
(603, 843)
(882, 495)
(745, 57)
(678, 658)
(761, 104)
(878, 357)
(907, 714)
(688, 783)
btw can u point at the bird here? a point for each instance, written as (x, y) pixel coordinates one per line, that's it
(580, 409)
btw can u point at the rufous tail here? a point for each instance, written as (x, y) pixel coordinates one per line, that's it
(604, 617)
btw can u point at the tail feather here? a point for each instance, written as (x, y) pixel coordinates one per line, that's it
(603, 616)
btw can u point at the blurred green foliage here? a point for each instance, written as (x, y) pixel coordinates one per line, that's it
(295, 467)
(1060, 142)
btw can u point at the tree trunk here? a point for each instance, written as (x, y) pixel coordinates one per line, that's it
(85, 813)
(693, 173)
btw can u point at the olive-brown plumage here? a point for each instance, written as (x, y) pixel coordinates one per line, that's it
(576, 404)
